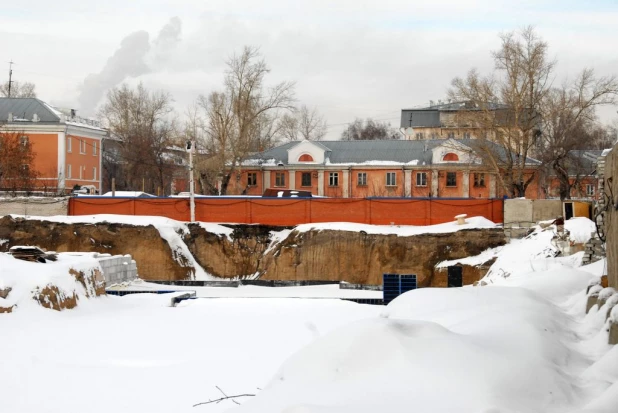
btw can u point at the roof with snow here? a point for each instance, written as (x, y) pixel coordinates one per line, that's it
(33, 110)
(372, 152)
(24, 109)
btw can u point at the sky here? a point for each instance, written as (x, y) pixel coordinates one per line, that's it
(349, 59)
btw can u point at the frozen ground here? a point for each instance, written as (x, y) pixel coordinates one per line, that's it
(520, 344)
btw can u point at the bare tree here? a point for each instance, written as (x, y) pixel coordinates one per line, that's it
(18, 90)
(145, 130)
(506, 107)
(17, 172)
(569, 123)
(239, 119)
(368, 129)
(304, 123)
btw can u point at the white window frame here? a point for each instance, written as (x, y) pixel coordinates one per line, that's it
(94, 148)
(24, 140)
(333, 179)
(82, 146)
(69, 145)
(69, 171)
(251, 178)
(94, 173)
(391, 179)
(361, 179)
(280, 184)
(423, 178)
(589, 189)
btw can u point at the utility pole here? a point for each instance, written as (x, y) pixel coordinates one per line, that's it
(190, 146)
(10, 77)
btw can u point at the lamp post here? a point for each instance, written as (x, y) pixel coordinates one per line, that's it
(190, 146)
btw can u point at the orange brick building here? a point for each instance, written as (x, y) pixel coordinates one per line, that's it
(443, 168)
(67, 148)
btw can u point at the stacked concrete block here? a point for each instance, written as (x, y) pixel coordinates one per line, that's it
(594, 251)
(117, 268)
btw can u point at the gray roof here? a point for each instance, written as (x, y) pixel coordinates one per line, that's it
(25, 108)
(357, 152)
(341, 152)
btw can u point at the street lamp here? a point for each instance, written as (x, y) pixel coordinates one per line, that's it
(190, 146)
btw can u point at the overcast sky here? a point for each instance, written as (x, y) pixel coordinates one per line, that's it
(348, 58)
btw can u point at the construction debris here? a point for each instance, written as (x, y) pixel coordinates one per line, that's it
(33, 254)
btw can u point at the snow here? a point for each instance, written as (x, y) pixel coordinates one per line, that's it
(429, 341)
(522, 343)
(24, 277)
(130, 194)
(251, 291)
(399, 230)
(580, 229)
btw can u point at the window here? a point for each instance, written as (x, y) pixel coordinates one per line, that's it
(451, 179)
(94, 148)
(589, 190)
(69, 171)
(94, 173)
(306, 179)
(23, 140)
(252, 179)
(333, 179)
(391, 179)
(421, 179)
(280, 179)
(451, 135)
(479, 180)
(305, 158)
(466, 135)
(420, 135)
(69, 148)
(81, 169)
(82, 146)
(361, 179)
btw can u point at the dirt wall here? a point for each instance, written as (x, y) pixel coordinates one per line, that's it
(151, 252)
(362, 258)
(355, 257)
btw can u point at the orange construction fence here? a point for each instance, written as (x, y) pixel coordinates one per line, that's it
(290, 211)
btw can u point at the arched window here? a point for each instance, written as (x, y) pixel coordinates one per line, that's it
(305, 158)
(451, 157)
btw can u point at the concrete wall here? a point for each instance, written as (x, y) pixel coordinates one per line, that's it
(43, 207)
(117, 268)
(611, 215)
(522, 214)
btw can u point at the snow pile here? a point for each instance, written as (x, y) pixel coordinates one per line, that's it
(399, 230)
(580, 229)
(25, 282)
(498, 349)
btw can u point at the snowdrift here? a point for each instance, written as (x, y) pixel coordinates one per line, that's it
(56, 285)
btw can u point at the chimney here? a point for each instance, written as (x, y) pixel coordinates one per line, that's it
(35, 118)
(10, 117)
(73, 112)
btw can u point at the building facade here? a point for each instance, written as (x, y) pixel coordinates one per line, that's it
(358, 169)
(67, 148)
